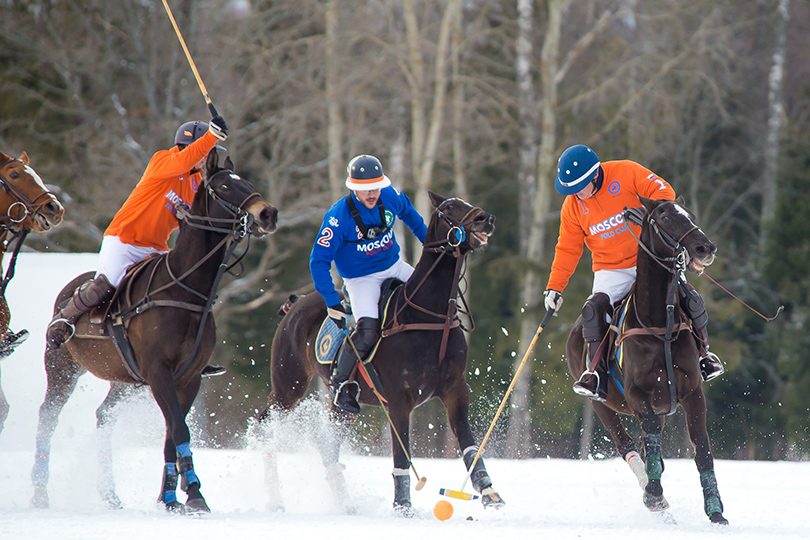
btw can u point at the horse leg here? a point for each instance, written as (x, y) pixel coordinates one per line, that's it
(652, 426)
(340, 424)
(62, 374)
(4, 408)
(695, 409)
(176, 449)
(105, 421)
(400, 424)
(457, 402)
(624, 443)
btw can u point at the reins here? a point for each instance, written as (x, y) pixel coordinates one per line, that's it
(240, 222)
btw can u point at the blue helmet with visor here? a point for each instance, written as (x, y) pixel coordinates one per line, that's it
(576, 169)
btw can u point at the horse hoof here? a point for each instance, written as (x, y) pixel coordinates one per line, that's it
(491, 499)
(175, 507)
(655, 503)
(718, 518)
(275, 507)
(111, 500)
(404, 510)
(197, 506)
(40, 499)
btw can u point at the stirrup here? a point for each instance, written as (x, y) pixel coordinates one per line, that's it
(70, 326)
(580, 389)
(711, 360)
(352, 406)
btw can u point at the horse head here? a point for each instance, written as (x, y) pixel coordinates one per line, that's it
(237, 198)
(670, 228)
(25, 202)
(457, 224)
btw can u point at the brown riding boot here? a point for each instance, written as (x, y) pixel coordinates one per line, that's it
(91, 294)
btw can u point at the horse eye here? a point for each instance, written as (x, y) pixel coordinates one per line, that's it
(15, 175)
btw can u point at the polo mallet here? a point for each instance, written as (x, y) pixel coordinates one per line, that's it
(211, 108)
(460, 494)
(422, 480)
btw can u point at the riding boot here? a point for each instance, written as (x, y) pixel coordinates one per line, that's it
(692, 305)
(710, 365)
(91, 294)
(593, 384)
(364, 337)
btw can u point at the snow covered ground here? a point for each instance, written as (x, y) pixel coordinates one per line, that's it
(548, 498)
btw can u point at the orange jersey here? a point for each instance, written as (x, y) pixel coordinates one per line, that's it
(148, 215)
(598, 223)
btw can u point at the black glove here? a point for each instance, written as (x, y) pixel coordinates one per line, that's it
(218, 127)
(338, 314)
(635, 215)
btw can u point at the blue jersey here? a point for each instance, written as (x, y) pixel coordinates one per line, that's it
(341, 241)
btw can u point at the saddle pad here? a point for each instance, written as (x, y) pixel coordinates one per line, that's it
(328, 342)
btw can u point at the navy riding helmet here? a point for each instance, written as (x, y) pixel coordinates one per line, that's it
(575, 169)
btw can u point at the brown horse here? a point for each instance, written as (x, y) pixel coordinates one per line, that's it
(171, 331)
(25, 205)
(659, 356)
(427, 359)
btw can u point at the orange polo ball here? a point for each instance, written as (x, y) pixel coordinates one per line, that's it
(443, 510)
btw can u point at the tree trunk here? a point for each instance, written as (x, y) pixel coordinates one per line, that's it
(769, 184)
(519, 433)
(335, 125)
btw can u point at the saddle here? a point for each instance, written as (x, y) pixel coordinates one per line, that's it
(330, 337)
(107, 321)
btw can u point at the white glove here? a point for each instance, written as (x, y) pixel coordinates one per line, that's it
(554, 300)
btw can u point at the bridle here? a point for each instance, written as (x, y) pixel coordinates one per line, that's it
(456, 232)
(674, 264)
(29, 207)
(13, 229)
(450, 243)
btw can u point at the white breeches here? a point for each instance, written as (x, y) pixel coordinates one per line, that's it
(364, 291)
(115, 257)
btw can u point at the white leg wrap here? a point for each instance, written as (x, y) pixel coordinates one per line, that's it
(401, 472)
(639, 469)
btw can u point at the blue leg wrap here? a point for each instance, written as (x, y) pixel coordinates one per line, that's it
(186, 467)
(169, 484)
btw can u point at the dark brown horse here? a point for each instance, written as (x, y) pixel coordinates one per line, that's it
(172, 332)
(414, 365)
(25, 205)
(659, 355)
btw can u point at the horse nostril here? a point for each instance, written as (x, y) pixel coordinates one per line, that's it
(269, 214)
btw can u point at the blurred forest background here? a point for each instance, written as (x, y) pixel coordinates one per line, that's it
(472, 98)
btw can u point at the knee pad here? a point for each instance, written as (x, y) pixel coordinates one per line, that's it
(366, 334)
(594, 311)
(692, 305)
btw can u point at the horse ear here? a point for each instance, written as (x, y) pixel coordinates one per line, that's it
(435, 199)
(679, 200)
(212, 163)
(649, 204)
(24, 158)
(228, 163)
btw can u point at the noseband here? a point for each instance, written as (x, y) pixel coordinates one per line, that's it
(30, 207)
(456, 232)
